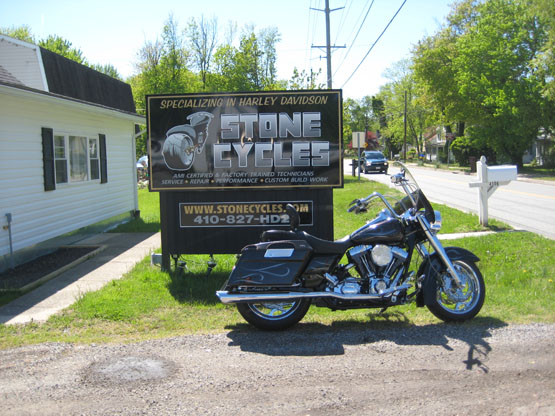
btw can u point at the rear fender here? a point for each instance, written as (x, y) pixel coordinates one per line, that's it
(432, 265)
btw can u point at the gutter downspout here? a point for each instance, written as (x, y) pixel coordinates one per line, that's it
(134, 161)
(9, 228)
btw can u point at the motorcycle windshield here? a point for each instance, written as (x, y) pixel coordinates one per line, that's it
(415, 197)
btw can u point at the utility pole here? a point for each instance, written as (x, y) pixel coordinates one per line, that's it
(328, 42)
(405, 123)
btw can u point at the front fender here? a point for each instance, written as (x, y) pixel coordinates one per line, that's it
(432, 265)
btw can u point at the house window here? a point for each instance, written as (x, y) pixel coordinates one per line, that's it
(77, 158)
(94, 161)
(60, 159)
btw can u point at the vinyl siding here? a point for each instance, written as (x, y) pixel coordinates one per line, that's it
(22, 61)
(38, 215)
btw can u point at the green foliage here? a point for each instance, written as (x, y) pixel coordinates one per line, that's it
(404, 99)
(482, 68)
(544, 11)
(361, 116)
(166, 66)
(202, 39)
(60, 46)
(305, 81)
(249, 67)
(63, 47)
(107, 69)
(21, 32)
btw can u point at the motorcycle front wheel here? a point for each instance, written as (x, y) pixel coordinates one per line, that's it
(274, 316)
(459, 304)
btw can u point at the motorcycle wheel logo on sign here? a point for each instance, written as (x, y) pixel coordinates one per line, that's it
(183, 141)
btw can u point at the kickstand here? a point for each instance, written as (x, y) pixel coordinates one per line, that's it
(382, 311)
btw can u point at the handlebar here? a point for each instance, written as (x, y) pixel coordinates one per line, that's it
(361, 205)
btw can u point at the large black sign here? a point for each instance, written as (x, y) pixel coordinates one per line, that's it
(257, 140)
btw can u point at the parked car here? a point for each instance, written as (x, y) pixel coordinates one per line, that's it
(373, 161)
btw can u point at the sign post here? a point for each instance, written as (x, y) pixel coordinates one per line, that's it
(489, 178)
(359, 142)
(227, 164)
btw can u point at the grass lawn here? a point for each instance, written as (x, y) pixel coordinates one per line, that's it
(518, 267)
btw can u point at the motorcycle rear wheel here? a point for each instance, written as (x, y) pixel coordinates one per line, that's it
(274, 316)
(459, 304)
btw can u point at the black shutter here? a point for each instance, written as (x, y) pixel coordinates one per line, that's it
(103, 160)
(48, 159)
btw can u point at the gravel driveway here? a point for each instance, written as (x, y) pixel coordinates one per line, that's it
(311, 370)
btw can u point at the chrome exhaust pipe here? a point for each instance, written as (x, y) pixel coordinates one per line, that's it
(227, 298)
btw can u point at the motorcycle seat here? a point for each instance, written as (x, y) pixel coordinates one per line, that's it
(327, 247)
(318, 245)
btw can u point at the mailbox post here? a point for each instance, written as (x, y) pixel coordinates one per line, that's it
(489, 178)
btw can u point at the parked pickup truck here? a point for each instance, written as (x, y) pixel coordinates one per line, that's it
(373, 161)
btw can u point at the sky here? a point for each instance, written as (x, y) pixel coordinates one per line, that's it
(113, 31)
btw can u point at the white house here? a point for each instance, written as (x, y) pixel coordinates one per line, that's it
(67, 150)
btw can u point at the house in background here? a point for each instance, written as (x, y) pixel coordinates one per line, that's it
(67, 151)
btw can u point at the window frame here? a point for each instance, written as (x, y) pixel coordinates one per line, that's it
(89, 170)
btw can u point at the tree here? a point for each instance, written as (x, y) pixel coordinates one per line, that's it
(107, 69)
(359, 116)
(401, 97)
(303, 81)
(482, 69)
(21, 32)
(249, 67)
(63, 47)
(162, 66)
(60, 46)
(544, 11)
(202, 38)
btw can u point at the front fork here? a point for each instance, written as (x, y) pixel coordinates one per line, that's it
(438, 247)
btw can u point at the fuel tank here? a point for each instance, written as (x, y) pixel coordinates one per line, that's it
(381, 230)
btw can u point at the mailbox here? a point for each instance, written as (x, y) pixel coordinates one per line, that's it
(503, 173)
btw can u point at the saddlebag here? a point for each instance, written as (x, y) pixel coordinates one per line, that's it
(274, 263)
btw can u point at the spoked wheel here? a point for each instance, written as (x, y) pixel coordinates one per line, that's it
(452, 303)
(274, 315)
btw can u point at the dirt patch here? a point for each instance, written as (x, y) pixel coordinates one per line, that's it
(438, 369)
(32, 271)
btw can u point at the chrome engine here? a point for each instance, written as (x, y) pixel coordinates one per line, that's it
(379, 267)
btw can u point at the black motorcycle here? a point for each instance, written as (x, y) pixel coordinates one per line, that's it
(275, 281)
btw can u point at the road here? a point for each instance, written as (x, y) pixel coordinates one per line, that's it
(523, 204)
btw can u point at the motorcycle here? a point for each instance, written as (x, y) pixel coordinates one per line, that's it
(275, 281)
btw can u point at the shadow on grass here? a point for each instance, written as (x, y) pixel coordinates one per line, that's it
(137, 225)
(311, 339)
(196, 287)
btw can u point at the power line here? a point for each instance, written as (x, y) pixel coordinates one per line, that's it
(374, 44)
(355, 38)
(342, 19)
